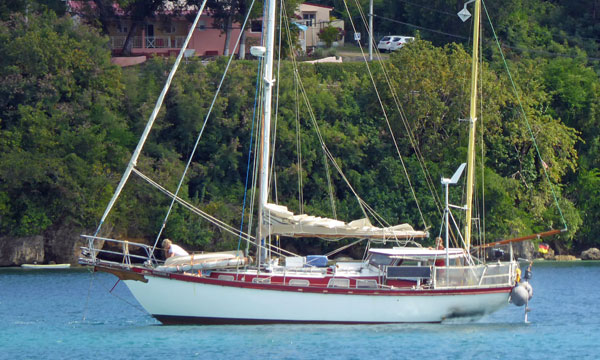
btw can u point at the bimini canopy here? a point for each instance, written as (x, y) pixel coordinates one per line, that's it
(422, 253)
(281, 221)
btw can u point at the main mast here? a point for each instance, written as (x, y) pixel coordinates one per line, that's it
(269, 36)
(472, 122)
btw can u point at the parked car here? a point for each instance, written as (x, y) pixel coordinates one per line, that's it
(397, 44)
(386, 42)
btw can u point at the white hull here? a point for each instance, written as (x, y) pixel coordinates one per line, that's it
(177, 301)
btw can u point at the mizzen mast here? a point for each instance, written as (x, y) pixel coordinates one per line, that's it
(472, 122)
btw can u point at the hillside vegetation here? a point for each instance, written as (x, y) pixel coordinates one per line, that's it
(69, 121)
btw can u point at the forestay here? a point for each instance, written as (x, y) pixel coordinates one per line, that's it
(281, 221)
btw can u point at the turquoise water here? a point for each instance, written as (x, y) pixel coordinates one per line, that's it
(49, 315)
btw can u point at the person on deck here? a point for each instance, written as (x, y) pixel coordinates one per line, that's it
(439, 245)
(171, 249)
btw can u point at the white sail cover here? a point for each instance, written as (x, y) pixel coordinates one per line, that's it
(281, 221)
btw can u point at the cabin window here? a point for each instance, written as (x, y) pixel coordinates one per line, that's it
(201, 25)
(341, 283)
(226, 277)
(405, 262)
(299, 282)
(366, 284)
(380, 260)
(257, 280)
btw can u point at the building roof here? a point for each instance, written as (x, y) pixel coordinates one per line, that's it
(318, 5)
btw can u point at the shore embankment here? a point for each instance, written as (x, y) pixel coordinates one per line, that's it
(61, 246)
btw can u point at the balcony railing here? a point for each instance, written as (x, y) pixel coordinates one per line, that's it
(149, 42)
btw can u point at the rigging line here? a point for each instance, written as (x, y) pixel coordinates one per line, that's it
(274, 126)
(256, 110)
(330, 187)
(249, 157)
(256, 146)
(481, 128)
(123, 299)
(318, 132)
(326, 164)
(299, 149)
(285, 23)
(180, 184)
(150, 123)
(255, 164)
(421, 27)
(313, 118)
(404, 118)
(525, 118)
(326, 150)
(343, 247)
(87, 299)
(223, 225)
(273, 173)
(552, 54)
(428, 8)
(387, 120)
(277, 100)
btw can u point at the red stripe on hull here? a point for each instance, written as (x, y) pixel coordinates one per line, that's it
(312, 289)
(189, 320)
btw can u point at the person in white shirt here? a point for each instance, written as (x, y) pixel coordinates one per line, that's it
(171, 249)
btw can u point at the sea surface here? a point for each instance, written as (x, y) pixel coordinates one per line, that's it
(71, 314)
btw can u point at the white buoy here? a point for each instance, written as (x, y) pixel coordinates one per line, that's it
(521, 294)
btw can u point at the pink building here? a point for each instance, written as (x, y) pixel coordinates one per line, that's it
(159, 37)
(164, 34)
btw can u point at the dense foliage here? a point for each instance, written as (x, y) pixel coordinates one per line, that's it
(69, 120)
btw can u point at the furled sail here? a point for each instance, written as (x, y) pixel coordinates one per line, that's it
(281, 221)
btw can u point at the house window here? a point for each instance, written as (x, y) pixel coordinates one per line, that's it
(201, 25)
(256, 26)
(170, 28)
(123, 28)
(309, 19)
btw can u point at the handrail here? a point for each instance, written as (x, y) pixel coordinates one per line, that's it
(125, 252)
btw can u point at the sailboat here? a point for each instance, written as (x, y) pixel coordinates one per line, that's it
(403, 284)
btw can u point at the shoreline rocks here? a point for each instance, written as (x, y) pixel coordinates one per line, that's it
(565, 258)
(590, 254)
(17, 251)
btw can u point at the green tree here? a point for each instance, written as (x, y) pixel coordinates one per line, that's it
(328, 35)
(58, 100)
